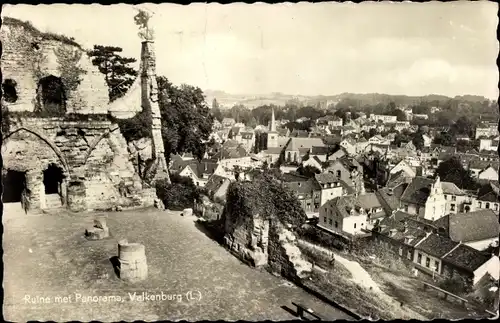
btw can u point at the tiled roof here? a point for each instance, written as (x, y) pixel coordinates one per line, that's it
(388, 201)
(417, 191)
(274, 150)
(451, 188)
(482, 164)
(247, 135)
(467, 258)
(489, 197)
(326, 178)
(471, 226)
(299, 134)
(291, 177)
(215, 182)
(204, 167)
(301, 187)
(319, 150)
(295, 144)
(437, 245)
(368, 201)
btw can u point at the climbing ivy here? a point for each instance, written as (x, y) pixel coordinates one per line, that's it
(71, 73)
(267, 197)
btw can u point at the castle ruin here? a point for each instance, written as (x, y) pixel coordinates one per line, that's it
(63, 147)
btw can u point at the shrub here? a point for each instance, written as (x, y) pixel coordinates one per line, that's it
(137, 127)
(267, 197)
(180, 194)
(456, 285)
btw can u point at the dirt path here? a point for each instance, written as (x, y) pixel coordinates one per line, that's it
(359, 274)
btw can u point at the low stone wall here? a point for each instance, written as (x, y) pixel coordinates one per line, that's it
(285, 257)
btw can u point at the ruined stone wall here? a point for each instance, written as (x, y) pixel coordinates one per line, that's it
(261, 242)
(247, 238)
(285, 257)
(26, 58)
(93, 156)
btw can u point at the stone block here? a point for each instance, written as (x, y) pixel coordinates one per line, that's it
(187, 212)
(132, 260)
(95, 233)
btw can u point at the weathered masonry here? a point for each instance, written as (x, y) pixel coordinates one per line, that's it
(61, 148)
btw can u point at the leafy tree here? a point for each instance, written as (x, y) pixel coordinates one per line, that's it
(117, 72)
(418, 140)
(372, 132)
(186, 119)
(308, 170)
(451, 170)
(217, 113)
(179, 194)
(445, 139)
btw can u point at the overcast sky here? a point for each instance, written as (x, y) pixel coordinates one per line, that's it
(308, 49)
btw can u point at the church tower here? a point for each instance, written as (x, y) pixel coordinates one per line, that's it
(435, 206)
(272, 134)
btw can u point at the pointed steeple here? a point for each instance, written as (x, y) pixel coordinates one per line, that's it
(273, 123)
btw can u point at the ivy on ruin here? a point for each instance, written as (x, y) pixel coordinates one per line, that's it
(71, 73)
(267, 197)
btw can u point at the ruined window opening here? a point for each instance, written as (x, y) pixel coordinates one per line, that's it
(52, 179)
(51, 95)
(9, 90)
(14, 183)
(61, 133)
(35, 46)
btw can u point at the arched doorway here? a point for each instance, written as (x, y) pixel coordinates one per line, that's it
(51, 95)
(15, 195)
(53, 178)
(14, 183)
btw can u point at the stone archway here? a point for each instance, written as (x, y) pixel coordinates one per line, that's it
(31, 153)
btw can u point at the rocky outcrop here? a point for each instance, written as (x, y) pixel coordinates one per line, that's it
(285, 257)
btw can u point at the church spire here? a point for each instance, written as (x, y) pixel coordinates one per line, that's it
(273, 123)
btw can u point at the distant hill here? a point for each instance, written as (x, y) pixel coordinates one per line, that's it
(227, 100)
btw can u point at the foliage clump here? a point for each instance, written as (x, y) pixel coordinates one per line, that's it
(267, 197)
(180, 194)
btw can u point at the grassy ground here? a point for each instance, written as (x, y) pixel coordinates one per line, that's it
(395, 280)
(47, 256)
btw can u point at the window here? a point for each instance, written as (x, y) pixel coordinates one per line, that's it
(354, 225)
(324, 218)
(330, 222)
(339, 173)
(427, 262)
(446, 197)
(496, 207)
(9, 90)
(453, 198)
(419, 258)
(336, 224)
(406, 208)
(480, 205)
(452, 207)
(436, 266)
(487, 205)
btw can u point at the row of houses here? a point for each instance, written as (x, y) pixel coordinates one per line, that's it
(414, 219)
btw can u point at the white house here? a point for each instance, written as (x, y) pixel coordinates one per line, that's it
(489, 144)
(489, 173)
(403, 166)
(384, 118)
(349, 145)
(342, 215)
(330, 187)
(427, 140)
